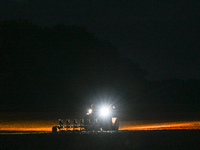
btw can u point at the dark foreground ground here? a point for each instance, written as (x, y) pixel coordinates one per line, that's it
(164, 139)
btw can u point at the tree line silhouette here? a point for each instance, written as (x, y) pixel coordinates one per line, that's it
(66, 66)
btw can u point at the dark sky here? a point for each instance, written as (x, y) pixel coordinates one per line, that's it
(162, 36)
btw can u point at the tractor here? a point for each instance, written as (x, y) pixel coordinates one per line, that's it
(97, 118)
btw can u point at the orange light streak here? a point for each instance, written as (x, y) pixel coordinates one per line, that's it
(163, 126)
(46, 126)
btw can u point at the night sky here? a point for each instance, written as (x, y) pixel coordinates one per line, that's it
(162, 36)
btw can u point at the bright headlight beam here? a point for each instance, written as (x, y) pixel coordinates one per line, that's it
(104, 111)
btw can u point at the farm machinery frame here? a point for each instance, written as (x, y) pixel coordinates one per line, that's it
(96, 119)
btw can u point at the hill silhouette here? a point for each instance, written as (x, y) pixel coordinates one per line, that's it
(67, 67)
(46, 68)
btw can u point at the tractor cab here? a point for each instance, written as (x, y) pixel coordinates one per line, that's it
(101, 118)
(97, 118)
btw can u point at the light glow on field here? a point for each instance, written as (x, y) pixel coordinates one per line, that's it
(40, 125)
(46, 126)
(161, 126)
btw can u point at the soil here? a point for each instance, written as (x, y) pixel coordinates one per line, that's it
(141, 140)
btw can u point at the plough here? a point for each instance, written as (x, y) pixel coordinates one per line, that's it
(68, 126)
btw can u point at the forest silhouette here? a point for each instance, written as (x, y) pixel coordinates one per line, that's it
(64, 67)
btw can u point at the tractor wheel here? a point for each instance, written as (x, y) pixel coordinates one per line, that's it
(117, 125)
(54, 129)
(105, 128)
(87, 123)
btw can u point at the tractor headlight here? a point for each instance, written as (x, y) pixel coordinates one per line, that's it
(104, 111)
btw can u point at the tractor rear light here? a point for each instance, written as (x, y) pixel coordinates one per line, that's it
(90, 111)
